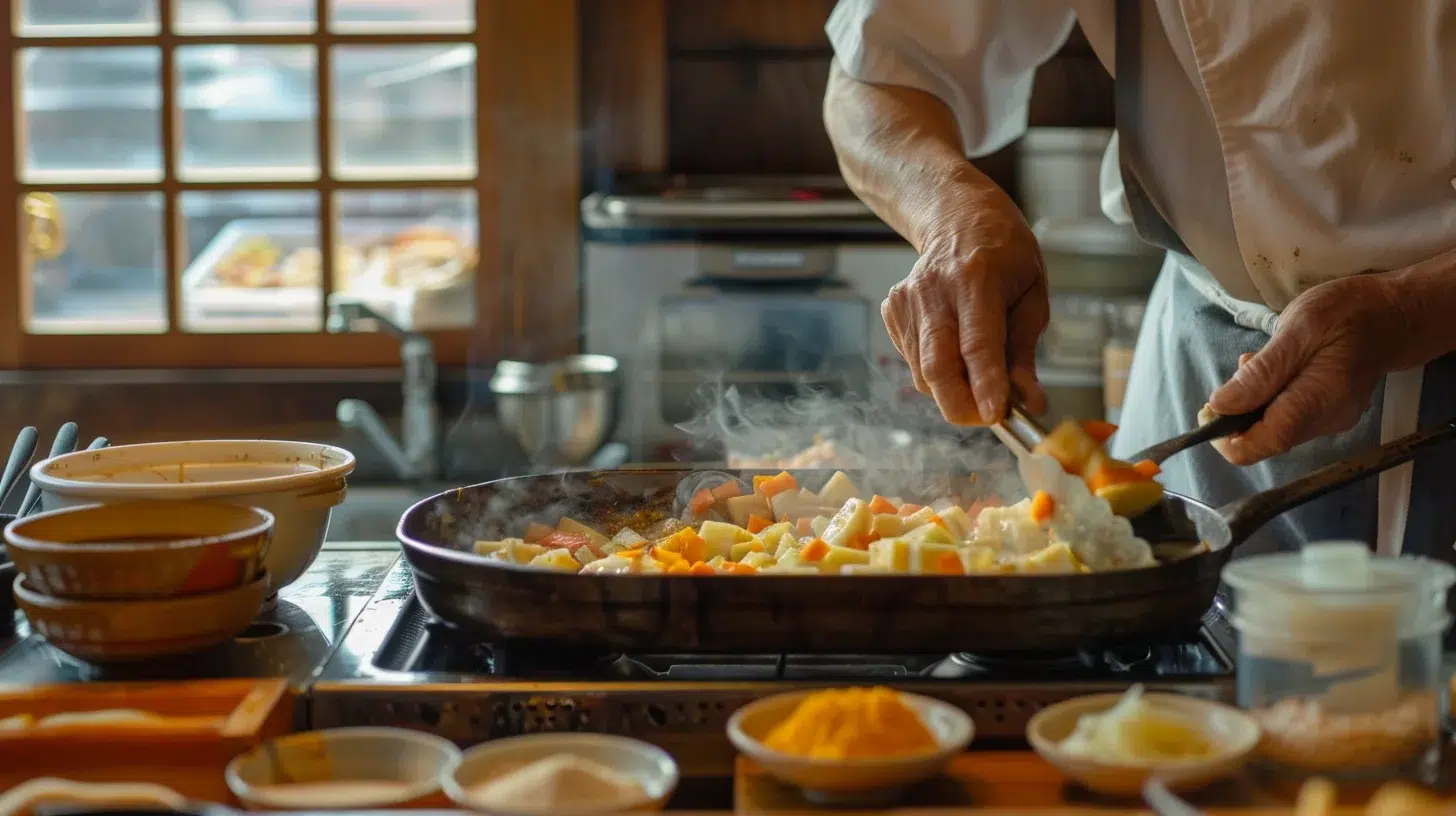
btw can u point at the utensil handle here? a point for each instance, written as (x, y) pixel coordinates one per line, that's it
(1019, 431)
(1217, 428)
(1245, 516)
(20, 455)
(65, 442)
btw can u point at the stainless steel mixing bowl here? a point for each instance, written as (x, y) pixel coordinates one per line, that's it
(560, 412)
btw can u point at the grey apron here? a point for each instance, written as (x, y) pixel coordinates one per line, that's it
(1190, 345)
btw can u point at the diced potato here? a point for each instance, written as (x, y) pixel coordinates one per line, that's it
(721, 536)
(929, 533)
(535, 531)
(717, 562)
(1070, 444)
(771, 534)
(956, 520)
(839, 557)
(920, 517)
(1132, 499)
(759, 560)
(743, 548)
(887, 525)
(569, 525)
(584, 555)
(625, 539)
(751, 504)
(1054, 558)
(788, 543)
(556, 559)
(925, 556)
(839, 489)
(519, 552)
(851, 523)
(489, 547)
(892, 554)
(978, 559)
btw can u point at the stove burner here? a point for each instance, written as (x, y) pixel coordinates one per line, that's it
(261, 630)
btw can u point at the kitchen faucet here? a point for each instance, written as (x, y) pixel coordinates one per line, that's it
(416, 456)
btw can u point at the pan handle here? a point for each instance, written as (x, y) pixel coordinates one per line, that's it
(1245, 516)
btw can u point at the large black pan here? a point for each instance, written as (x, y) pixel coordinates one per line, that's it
(833, 613)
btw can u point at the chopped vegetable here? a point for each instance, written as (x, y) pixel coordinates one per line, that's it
(813, 551)
(775, 485)
(1043, 507)
(757, 524)
(1148, 468)
(726, 491)
(1099, 430)
(701, 501)
(880, 504)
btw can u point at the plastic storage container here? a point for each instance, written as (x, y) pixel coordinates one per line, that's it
(1340, 657)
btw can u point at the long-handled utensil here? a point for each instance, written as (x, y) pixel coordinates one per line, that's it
(1020, 432)
(65, 442)
(20, 456)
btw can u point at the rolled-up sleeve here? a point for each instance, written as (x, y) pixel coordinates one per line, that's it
(977, 56)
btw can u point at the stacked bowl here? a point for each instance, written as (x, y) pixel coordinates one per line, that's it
(166, 548)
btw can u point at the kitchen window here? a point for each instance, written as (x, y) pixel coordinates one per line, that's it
(196, 182)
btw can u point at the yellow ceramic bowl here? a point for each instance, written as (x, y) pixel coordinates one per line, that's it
(140, 549)
(120, 631)
(1234, 734)
(850, 780)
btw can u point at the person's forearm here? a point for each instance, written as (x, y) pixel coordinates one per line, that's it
(1425, 295)
(900, 151)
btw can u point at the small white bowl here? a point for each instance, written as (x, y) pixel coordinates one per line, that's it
(342, 769)
(1234, 734)
(651, 766)
(298, 482)
(849, 780)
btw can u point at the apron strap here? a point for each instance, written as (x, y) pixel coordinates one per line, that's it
(1150, 224)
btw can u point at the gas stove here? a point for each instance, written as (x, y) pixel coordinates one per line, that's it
(396, 666)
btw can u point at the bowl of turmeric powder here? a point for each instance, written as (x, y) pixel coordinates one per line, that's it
(845, 744)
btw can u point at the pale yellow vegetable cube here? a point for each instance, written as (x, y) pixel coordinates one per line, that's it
(931, 533)
(887, 525)
(569, 525)
(788, 543)
(759, 560)
(838, 490)
(919, 518)
(890, 553)
(842, 556)
(743, 548)
(720, 536)
(851, 523)
(771, 534)
(958, 522)
(490, 547)
(927, 556)
(625, 539)
(1132, 499)
(1056, 557)
(749, 504)
(556, 559)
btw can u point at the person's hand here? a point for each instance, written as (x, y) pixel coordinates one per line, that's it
(968, 316)
(1318, 372)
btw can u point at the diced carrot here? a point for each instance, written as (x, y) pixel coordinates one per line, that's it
(744, 569)
(949, 564)
(666, 556)
(880, 504)
(635, 552)
(814, 550)
(907, 508)
(777, 484)
(936, 519)
(694, 548)
(862, 541)
(757, 524)
(536, 531)
(701, 501)
(1111, 473)
(727, 490)
(680, 568)
(701, 568)
(1042, 507)
(1148, 468)
(1099, 430)
(804, 527)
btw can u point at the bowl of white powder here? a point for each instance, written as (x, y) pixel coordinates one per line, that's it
(562, 774)
(343, 769)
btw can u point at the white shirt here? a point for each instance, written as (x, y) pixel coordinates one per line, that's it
(1289, 142)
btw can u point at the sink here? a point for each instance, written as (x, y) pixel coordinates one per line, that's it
(371, 512)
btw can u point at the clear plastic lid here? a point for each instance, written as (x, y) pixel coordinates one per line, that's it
(1339, 590)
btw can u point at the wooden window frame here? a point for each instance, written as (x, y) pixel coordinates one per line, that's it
(527, 191)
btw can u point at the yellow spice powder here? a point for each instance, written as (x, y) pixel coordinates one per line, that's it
(856, 723)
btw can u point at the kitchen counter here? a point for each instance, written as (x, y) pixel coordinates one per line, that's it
(293, 640)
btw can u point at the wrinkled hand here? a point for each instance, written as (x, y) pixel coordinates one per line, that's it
(968, 316)
(1318, 372)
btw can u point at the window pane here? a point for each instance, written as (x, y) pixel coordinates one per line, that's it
(248, 112)
(243, 17)
(96, 263)
(253, 262)
(88, 18)
(402, 15)
(409, 255)
(91, 114)
(404, 111)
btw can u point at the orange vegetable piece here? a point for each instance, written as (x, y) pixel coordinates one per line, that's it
(880, 504)
(694, 548)
(1111, 473)
(862, 541)
(743, 569)
(814, 550)
(1148, 468)
(1099, 430)
(907, 508)
(564, 541)
(667, 556)
(949, 564)
(1042, 507)
(757, 524)
(633, 552)
(680, 567)
(701, 568)
(701, 501)
(726, 491)
(936, 519)
(778, 484)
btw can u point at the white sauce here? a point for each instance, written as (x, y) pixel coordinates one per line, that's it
(559, 783)
(334, 793)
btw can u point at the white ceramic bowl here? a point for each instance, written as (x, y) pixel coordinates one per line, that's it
(343, 769)
(298, 482)
(1234, 734)
(653, 767)
(850, 780)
